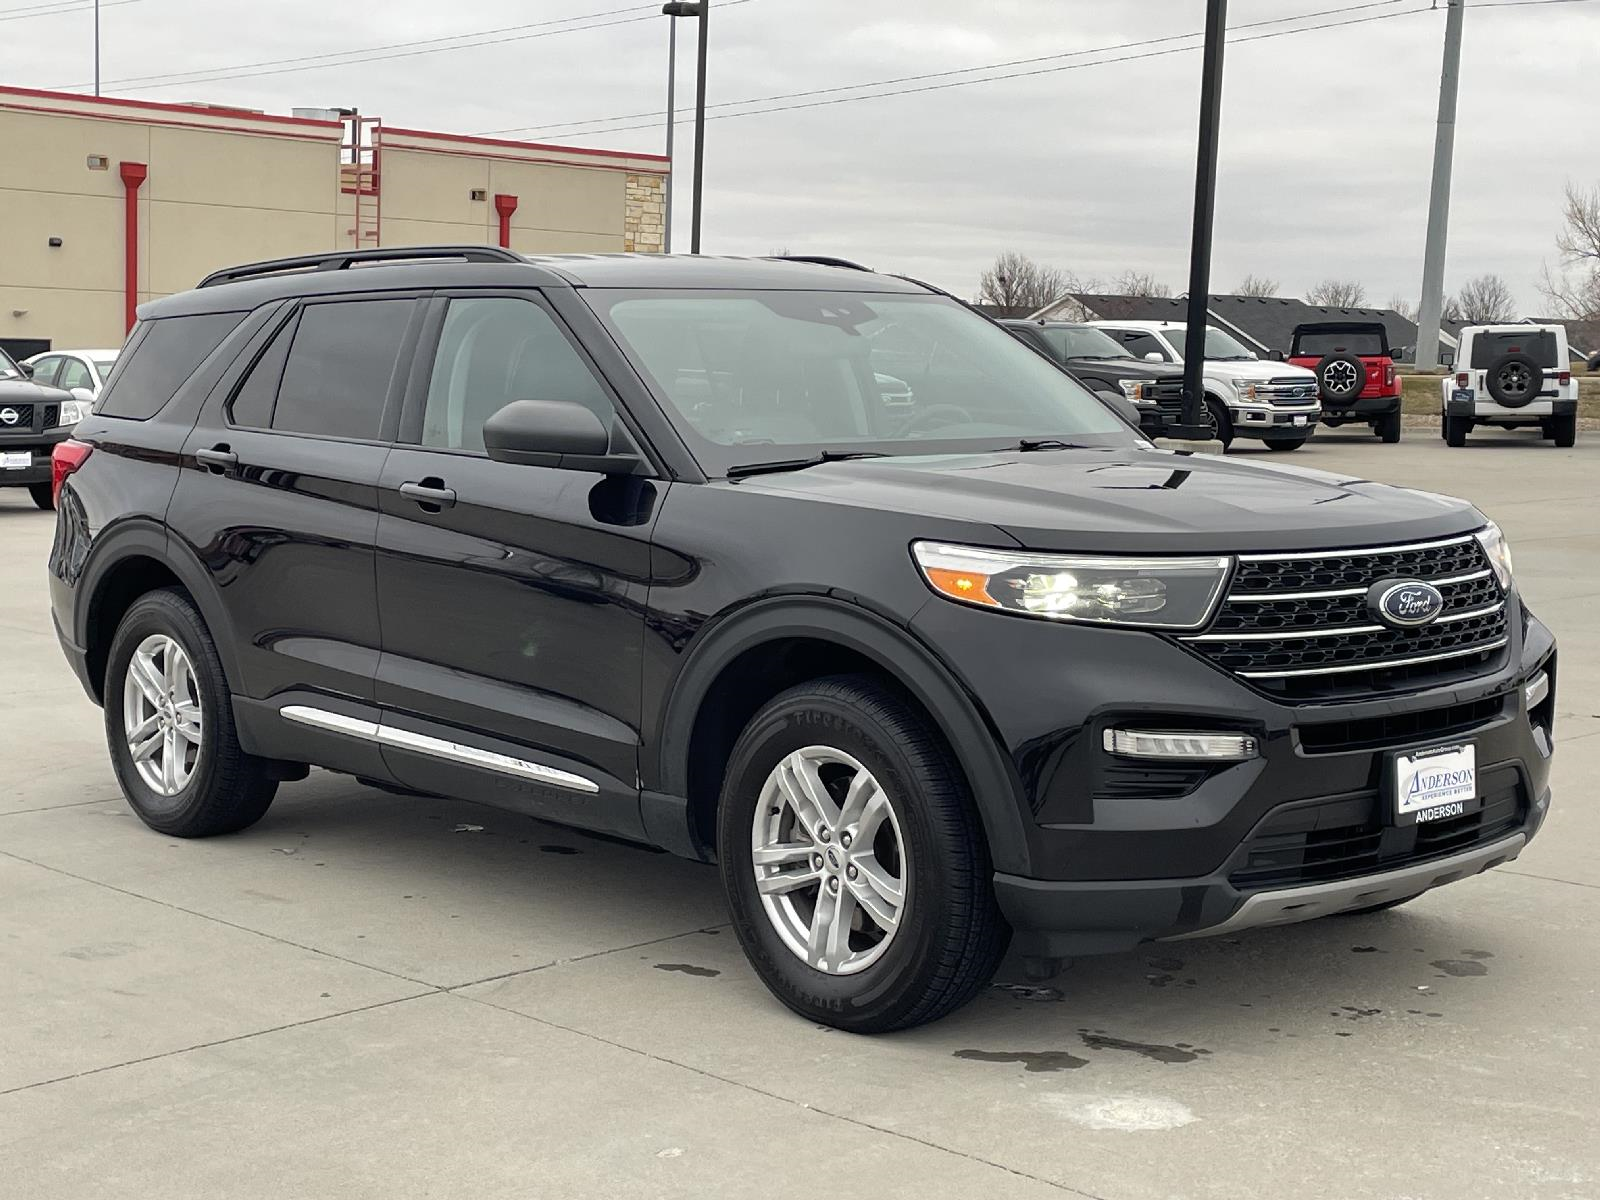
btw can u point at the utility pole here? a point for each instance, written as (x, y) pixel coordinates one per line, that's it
(672, 117)
(1192, 427)
(96, 47)
(699, 129)
(1444, 145)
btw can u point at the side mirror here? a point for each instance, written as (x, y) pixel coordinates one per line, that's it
(1153, 356)
(553, 433)
(26, 369)
(1254, 357)
(1277, 356)
(82, 393)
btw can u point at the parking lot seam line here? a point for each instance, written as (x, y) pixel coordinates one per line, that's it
(1552, 879)
(240, 1037)
(576, 958)
(812, 1108)
(17, 812)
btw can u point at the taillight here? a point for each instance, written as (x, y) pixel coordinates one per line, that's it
(1462, 379)
(1388, 375)
(66, 458)
(1564, 378)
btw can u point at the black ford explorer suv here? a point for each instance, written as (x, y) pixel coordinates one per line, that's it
(635, 544)
(1103, 365)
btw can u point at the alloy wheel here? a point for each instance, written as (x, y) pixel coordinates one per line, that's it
(161, 714)
(1515, 379)
(829, 859)
(1339, 378)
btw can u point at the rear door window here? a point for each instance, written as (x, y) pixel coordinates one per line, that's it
(44, 371)
(340, 367)
(75, 374)
(1538, 344)
(164, 357)
(1140, 343)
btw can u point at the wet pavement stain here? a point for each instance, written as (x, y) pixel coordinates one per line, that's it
(1476, 954)
(1180, 1052)
(688, 969)
(1460, 967)
(1165, 964)
(1355, 1014)
(1031, 1060)
(1031, 992)
(561, 850)
(1366, 950)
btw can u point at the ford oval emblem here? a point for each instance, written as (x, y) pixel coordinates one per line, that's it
(9, 416)
(1405, 603)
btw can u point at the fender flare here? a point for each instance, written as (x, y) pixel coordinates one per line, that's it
(996, 789)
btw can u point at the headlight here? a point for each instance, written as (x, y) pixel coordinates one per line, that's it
(73, 411)
(1247, 391)
(1150, 593)
(1133, 389)
(1499, 554)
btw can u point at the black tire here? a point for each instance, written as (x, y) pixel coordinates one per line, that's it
(1292, 443)
(950, 937)
(1546, 430)
(1564, 430)
(1387, 427)
(42, 495)
(1514, 380)
(229, 789)
(1216, 416)
(1455, 430)
(1340, 378)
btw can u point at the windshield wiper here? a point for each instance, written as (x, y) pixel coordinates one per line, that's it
(739, 470)
(1048, 444)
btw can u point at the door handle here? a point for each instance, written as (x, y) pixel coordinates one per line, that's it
(218, 459)
(430, 494)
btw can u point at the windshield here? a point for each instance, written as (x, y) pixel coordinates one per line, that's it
(8, 368)
(753, 376)
(1219, 345)
(1081, 341)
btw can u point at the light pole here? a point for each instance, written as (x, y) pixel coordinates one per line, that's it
(699, 128)
(674, 11)
(96, 47)
(1444, 143)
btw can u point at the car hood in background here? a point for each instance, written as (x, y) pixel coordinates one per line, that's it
(25, 391)
(1127, 368)
(1257, 370)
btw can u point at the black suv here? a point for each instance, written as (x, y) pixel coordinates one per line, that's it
(33, 419)
(642, 545)
(1104, 365)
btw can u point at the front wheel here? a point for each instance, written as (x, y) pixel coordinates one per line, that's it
(854, 862)
(43, 495)
(169, 724)
(1220, 423)
(1387, 427)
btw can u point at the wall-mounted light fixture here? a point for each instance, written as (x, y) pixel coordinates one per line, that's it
(55, 243)
(98, 162)
(480, 193)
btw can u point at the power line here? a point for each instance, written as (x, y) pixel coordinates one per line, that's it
(313, 62)
(1015, 62)
(934, 87)
(57, 9)
(1521, 3)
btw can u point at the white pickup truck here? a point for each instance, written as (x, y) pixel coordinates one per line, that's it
(1513, 376)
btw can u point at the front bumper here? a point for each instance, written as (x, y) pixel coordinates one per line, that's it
(39, 447)
(1273, 421)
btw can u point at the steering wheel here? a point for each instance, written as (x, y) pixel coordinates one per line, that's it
(956, 414)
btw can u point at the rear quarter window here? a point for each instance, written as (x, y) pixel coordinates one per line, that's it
(163, 355)
(1538, 344)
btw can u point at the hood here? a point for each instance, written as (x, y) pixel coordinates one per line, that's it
(1126, 368)
(1257, 370)
(1134, 499)
(25, 391)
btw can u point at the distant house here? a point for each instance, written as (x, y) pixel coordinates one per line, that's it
(1583, 337)
(1263, 323)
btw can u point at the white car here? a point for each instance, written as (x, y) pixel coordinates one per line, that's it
(1245, 397)
(81, 372)
(1513, 376)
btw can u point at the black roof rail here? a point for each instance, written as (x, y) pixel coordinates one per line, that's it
(339, 260)
(821, 260)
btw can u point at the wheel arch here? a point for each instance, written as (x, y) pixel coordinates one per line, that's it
(741, 661)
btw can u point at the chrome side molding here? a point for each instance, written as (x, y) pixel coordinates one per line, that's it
(434, 747)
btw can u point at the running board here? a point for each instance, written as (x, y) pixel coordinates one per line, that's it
(434, 747)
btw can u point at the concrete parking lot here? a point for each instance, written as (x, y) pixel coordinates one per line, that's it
(374, 996)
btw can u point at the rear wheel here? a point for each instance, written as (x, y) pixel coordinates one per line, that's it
(42, 495)
(1293, 443)
(1455, 430)
(1564, 430)
(1387, 427)
(1220, 423)
(854, 862)
(169, 723)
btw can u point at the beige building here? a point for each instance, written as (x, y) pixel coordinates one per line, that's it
(106, 203)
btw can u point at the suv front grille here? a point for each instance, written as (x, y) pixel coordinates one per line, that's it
(24, 421)
(1339, 839)
(1298, 625)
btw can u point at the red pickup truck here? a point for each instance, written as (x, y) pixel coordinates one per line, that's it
(1355, 373)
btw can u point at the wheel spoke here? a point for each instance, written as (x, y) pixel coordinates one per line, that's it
(863, 790)
(829, 943)
(803, 788)
(170, 761)
(142, 750)
(884, 913)
(782, 854)
(188, 714)
(142, 669)
(787, 881)
(874, 815)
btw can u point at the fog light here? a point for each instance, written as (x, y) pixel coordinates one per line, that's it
(1536, 690)
(1142, 743)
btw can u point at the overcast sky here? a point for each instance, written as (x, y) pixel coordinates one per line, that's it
(1326, 142)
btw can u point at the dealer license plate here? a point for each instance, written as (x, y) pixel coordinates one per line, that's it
(1432, 785)
(1464, 395)
(16, 460)
(1299, 420)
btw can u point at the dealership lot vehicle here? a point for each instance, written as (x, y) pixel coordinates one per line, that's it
(1513, 377)
(81, 372)
(1355, 373)
(1100, 362)
(1245, 397)
(595, 505)
(34, 417)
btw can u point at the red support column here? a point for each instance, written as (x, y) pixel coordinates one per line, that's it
(133, 175)
(505, 205)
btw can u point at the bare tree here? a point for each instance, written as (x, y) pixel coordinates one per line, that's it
(1484, 300)
(1575, 289)
(1139, 283)
(1256, 285)
(1404, 307)
(1015, 281)
(1337, 293)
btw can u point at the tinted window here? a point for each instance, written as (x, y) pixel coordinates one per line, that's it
(339, 368)
(44, 371)
(8, 368)
(163, 359)
(74, 374)
(252, 402)
(1139, 344)
(1369, 343)
(1538, 344)
(493, 351)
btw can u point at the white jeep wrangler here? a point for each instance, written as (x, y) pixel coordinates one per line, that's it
(1513, 376)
